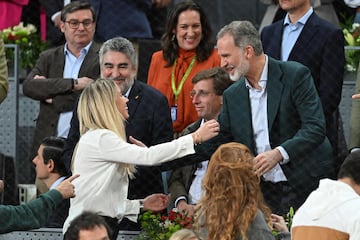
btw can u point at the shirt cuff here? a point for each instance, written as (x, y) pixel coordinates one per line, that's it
(55, 15)
(355, 149)
(178, 199)
(284, 154)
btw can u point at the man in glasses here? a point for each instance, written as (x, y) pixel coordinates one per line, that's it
(185, 182)
(62, 72)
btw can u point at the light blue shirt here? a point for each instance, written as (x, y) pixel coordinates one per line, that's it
(258, 103)
(57, 182)
(291, 33)
(71, 70)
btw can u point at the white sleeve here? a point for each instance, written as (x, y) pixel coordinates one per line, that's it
(115, 149)
(352, 3)
(130, 210)
(355, 231)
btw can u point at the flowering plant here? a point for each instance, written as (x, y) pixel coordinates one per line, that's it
(29, 42)
(156, 226)
(352, 38)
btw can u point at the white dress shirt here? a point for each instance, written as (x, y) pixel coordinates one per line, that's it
(258, 102)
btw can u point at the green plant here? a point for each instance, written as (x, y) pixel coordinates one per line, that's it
(155, 226)
(352, 38)
(29, 42)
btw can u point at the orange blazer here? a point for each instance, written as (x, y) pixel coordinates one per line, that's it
(159, 77)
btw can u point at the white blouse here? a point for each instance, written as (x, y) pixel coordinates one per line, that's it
(103, 183)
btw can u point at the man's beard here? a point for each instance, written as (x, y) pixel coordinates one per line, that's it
(123, 83)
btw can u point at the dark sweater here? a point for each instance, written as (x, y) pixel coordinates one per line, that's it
(33, 214)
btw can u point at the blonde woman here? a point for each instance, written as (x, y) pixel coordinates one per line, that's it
(106, 161)
(232, 206)
(184, 234)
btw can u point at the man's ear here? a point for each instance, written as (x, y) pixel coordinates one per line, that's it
(249, 51)
(50, 165)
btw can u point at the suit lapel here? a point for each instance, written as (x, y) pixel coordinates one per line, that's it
(275, 51)
(274, 91)
(134, 99)
(240, 114)
(305, 38)
(90, 60)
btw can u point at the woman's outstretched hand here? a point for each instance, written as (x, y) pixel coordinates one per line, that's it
(206, 131)
(156, 202)
(136, 142)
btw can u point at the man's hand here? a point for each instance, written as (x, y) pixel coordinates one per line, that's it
(185, 208)
(66, 188)
(57, 21)
(279, 223)
(356, 96)
(136, 142)
(1, 186)
(82, 83)
(161, 3)
(156, 202)
(266, 161)
(49, 100)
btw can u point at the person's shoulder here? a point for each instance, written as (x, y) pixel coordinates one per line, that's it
(53, 50)
(158, 54)
(324, 25)
(53, 194)
(269, 28)
(92, 133)
(192, 127)
(285, 64)
(95, 46)
(215, 56)
(148, 90)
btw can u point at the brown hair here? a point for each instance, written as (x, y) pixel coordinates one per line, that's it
(232, 194)
(219, 76)
(170, 46)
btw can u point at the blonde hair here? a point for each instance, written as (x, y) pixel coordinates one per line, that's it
(232, 194)
(97, 110)
(184, 234)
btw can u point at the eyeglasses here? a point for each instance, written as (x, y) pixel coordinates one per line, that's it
(200, 93)
(74, 24)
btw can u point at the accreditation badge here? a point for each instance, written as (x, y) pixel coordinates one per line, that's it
(174, 113)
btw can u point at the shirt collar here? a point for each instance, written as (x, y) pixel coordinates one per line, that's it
(128, 92)
(57, 182)
(263, 76)
(85, 50)
(302, 20)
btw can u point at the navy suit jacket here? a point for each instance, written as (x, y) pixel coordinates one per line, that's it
(125, 18)
(149, 122)
(320, 47)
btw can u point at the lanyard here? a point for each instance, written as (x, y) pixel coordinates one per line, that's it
(177, 91)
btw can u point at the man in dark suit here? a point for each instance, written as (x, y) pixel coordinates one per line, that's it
(275, 110)
(52, 171)
(149, 119)
(185, 182)
(133, 25)
(304, 37)
(62, 72)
